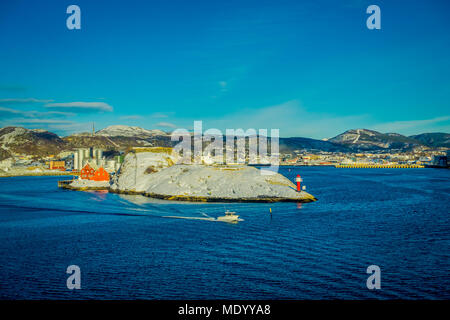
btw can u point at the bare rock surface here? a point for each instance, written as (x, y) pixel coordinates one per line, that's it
(154, 174)
(89, 184)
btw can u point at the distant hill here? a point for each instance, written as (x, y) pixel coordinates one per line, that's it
(435, 139)
(43, 143)
(129, 131)
(368, 140)
(116, 142)
(120, 138)
(288, 145)
(31, 142)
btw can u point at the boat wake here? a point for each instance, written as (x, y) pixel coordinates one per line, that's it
(207, 218)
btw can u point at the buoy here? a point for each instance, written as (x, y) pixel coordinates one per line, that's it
(270, 210)
(298, 180)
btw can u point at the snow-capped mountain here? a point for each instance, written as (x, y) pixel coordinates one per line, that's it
(129, 131)
(37, 142)
(364, 139)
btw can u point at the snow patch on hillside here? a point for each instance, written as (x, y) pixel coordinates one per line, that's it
(10, 138)
(138, 165)
(226, 182)
(129, 131)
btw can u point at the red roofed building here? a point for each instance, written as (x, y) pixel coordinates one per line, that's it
(100, 175)
(87, 172)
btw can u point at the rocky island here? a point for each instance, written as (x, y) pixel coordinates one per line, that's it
(152, 172)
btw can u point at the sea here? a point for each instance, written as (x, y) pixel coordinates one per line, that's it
(126, 247)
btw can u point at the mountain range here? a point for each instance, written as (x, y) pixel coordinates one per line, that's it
(369, 140)
(120, 138)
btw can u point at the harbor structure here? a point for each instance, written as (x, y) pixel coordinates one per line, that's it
(57, 165)
(366, 165)
(440, 161)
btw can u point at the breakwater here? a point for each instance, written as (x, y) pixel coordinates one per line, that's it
(379, 166)
(66, 184)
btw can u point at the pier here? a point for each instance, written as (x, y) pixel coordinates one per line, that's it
(379, 166)
(64, 183)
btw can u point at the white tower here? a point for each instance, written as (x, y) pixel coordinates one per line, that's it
(75, 161)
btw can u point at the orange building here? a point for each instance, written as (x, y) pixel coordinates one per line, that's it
(100, 175)
(87, 172)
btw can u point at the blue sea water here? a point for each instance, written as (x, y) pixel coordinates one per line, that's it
(398, 219)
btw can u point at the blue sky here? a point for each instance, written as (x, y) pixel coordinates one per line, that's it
(309, 68)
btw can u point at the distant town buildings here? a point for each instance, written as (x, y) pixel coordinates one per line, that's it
(57, 165)
(110, 160)
(440, 161)
(380, 159)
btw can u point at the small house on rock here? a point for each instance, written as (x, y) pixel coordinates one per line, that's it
(100, 175)
(87, 172)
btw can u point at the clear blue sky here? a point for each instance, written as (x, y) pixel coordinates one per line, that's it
(309, 68)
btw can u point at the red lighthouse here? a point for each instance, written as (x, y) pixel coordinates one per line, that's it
(298, 180)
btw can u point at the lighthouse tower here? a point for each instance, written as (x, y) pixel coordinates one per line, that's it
(298, 179)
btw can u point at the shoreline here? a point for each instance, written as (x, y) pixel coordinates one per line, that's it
(35, 174)
(65, 185)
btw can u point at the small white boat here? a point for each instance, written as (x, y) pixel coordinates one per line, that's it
(229, 216)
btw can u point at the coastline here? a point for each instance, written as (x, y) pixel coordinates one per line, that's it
(37, 174)
(308, 197)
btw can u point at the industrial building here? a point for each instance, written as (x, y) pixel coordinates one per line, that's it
(83, 155)
(94, 156)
